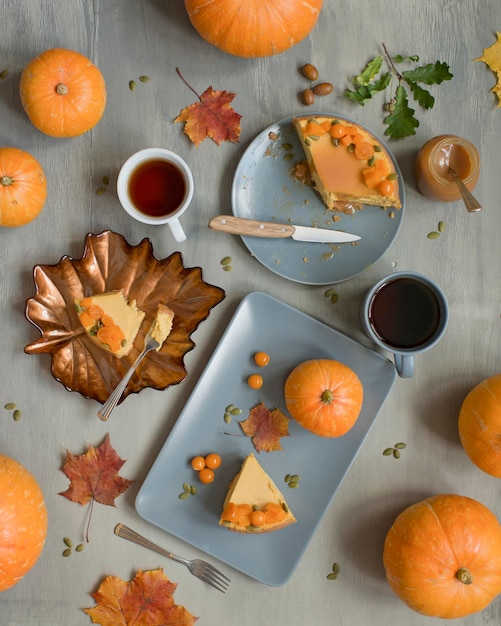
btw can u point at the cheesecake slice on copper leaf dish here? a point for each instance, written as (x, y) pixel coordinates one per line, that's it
(113, 323)
(348, 166)
(253, 503)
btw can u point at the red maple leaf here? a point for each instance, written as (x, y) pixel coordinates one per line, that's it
(266, 427)
(94, 476)
(211, 117)
(147, 600)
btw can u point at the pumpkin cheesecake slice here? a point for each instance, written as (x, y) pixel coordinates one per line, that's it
(253, 503)
(348, 166)
(110, 321)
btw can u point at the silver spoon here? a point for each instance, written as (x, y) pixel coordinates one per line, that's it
(469, 200)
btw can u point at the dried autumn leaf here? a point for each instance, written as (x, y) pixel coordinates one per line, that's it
(266, 427)
(211, 117)
(147, 600)
(94, 476)
(492, 58)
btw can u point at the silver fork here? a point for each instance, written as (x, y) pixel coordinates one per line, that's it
(149, 345)
(201, 569)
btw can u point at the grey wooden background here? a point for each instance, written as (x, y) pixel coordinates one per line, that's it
(128, 38)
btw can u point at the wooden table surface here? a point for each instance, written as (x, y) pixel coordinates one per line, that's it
(129, 38)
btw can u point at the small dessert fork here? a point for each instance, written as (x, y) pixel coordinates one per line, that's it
(201, 569)
(149, 345)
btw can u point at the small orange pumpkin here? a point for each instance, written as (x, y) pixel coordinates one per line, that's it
(442, 556)
(324, 396)
(253, 28)
(23, 522)
(23, 187)
(479, 425)
(63, 93)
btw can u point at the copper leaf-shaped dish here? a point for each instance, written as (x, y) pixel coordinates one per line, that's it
(109, 263)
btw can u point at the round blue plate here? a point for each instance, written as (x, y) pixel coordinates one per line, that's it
(265, 189)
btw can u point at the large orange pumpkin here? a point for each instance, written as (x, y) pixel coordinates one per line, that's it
(253, 28)
(324, 396)
(442, 556)
(23, 187)
(479, 425)
(23, 522)
(63, 93)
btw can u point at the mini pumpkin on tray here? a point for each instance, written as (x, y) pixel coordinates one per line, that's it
(108, 264)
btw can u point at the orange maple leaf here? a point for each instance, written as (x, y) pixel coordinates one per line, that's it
(266, 427)
(492, 58)
(147, 600)
(94, 476)
(211, 117)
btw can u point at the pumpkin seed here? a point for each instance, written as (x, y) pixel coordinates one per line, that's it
(392, 176)
(331, 576)
(235, 411)
(193, 490)
(351, 148)
(335, 142)
(307, 142)
(186, 487)
(334, 298)
(314, 137)
(184, 495)
(433, 235)
(16, 415)
(371, 161)
(10, 406)
(132, 85)
(287, 146)
(441, 226)
(106, 180)
(227, 268)
(144, 79)
(293, 485)
(329, 293)
(68, 542)
(401, 445)
(388, 451)
(396, 453)
(287, 477)
(4, 74)
(67, 552)
(80, 547)
(336, 568)
(100, 191)
(226, 260)
(288, 157)
(227, 418)
(230, 407)
(377, 148)
(295, 478)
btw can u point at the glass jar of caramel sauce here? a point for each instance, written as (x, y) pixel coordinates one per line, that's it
(436, 156)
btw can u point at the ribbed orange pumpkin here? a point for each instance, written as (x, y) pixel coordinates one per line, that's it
(63, 93)
(442, 556)
(23, 187)
(479, 425)
(23, 522)
(253, 28)
(324, 396)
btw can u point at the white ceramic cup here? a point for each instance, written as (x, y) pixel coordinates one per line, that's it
(128, 169)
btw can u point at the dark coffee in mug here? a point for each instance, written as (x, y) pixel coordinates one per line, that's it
(405, 313)
(157, 188)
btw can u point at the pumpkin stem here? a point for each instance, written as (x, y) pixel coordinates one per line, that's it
(327, 396)
(61, 89)
(6, 181)
(464, 575)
